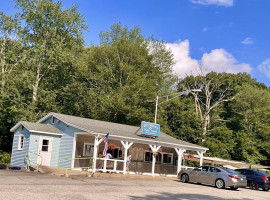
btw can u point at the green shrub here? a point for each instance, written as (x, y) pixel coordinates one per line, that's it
(4, 158)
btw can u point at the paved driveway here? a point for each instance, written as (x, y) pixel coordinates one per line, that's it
(28, 185)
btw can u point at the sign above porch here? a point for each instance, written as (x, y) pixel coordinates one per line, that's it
(150, 129)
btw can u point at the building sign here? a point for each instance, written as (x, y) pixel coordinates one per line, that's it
(150, 129)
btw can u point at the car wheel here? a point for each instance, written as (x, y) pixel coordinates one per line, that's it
(254, 185)
(234, 188)
(184, 178)
(265, 189)
(220, 184)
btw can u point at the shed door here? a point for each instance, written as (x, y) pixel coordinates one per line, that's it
(45, 150)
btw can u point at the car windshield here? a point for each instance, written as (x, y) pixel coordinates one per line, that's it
(229, 170)
(261, 173)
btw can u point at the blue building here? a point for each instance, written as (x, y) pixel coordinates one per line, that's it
(75, 142)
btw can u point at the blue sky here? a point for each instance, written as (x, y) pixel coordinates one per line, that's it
(218, 35)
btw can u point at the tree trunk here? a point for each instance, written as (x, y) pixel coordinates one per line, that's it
(3, 62)
(3, 82)
(35, 86)
(206, 123)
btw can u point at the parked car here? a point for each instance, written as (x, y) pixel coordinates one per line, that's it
(220, 177)
(256, 179)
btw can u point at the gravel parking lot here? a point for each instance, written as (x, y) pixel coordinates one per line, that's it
(29, 185)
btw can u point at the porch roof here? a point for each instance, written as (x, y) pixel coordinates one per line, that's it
(37, 128)
(121, 131)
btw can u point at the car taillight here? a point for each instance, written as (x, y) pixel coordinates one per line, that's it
(264, 178)
(235, 177)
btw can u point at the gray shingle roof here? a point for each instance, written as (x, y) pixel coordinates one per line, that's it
(116, 129)
(36, 127)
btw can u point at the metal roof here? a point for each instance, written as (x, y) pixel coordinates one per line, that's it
(121, 131)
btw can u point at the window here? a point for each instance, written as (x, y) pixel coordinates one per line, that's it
(259, 173)
(243, 172)
(205, 168)
(148, 157)
(116, 153)
(88, 149)
(228, 170)
(45, 145)
(249, 173)
(198, 169)
(53, 119)
(213, 169)
(21, 142)
(167, 158)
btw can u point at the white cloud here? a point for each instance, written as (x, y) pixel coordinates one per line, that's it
(226, 3)
(264, 67)
(247, 40)
(218, 60)
(184, 65)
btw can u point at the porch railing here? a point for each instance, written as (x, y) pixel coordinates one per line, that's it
(28, 161)
(105, 167)
(115, 162)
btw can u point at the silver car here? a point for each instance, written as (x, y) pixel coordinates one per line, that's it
(220, 177)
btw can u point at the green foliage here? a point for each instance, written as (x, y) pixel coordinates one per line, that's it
(45, 67)
(117, 78)
(112, 81)
(250, 118)
(239, 128)
(4, 158)
(40, 47)
(181, 119)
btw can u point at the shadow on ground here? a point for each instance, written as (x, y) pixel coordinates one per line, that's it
(162, 196)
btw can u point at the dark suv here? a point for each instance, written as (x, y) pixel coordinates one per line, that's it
(256, 179)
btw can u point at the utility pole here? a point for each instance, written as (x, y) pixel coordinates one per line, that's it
(156, 110)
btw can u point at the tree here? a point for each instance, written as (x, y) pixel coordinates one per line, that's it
(215, 88)
(10, 48)
(180, 117)
(39, 49)
(52, 37)
(250, 119)
(117, 78)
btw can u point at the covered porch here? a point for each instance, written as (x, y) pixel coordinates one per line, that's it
(148, 156)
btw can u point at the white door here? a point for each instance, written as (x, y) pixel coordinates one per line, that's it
(45, 150)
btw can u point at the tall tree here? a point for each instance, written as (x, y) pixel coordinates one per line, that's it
(52, 37)
(39, 49)
(119, 76)
(250, 119)
(10, 48)
(214, 93)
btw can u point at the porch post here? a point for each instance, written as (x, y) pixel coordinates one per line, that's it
(96, 143)
(200, 153)
(180, 153)
(126, 145)
(74, 150)
(154, 149)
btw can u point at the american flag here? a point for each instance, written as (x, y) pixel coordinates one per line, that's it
(105, 140)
